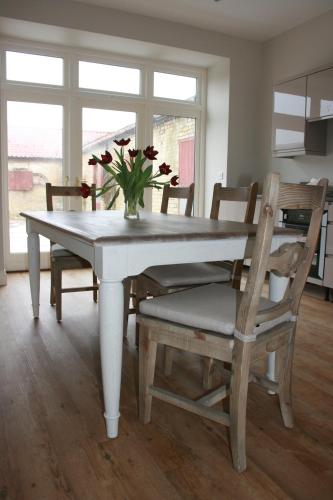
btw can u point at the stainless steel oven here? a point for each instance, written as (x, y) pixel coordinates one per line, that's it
(300, 219)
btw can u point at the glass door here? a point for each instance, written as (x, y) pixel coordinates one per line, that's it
(100, 127)
(174, 139)
(34, 157)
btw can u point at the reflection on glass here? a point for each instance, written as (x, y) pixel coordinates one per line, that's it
(289, 104)
(109, 78)
(34, 158)
(100, 127)
(285, 137)
(175, 86)
(34, 68)
(326, 107)
(174, 139)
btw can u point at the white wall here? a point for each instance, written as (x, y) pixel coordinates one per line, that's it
(300, 50)
(217, 124)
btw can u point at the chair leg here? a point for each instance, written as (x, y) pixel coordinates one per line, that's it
(208, 365)
(147, 360)
(95, 284)
(168, 359)
(238, 400)
(52, 292)
(127, 294)
(58, 286)
(140, 294)
(285, 376)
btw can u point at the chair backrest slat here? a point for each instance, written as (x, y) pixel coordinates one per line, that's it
(185, 193)
(241, 194)
(295, 196)
(318, 203)
(67, 191)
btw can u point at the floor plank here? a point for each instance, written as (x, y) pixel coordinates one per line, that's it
(52, 434)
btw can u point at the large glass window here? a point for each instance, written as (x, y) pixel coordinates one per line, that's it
(174, 139)
(61, 107)
(110, 78)
(34, 158)
(34, 68)
(100, 127)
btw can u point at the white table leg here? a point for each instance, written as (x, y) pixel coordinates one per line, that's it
(277, 288)
(111, 305)
(34, 271)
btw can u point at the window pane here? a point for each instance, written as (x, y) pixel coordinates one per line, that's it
(174, 139)
(34, 158)
(175, 86)
(32, 68)
(110, 78)
(100, 127)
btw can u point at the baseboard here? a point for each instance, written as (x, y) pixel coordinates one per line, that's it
(3, 277)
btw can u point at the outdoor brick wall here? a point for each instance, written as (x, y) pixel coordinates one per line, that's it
(167, 134)
(41, 171)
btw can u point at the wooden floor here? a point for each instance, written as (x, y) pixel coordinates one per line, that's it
(52, 435)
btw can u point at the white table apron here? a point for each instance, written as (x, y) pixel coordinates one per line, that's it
(112, 263)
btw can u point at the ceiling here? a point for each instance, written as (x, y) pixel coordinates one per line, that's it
(251, 19)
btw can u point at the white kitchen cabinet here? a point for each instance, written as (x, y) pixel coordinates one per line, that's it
(292, 134)
(320, 95)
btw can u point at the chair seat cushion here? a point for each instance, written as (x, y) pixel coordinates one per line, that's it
(210, 307)
(59, 251)
(187, 274)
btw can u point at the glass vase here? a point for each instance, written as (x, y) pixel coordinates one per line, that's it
(131, 210)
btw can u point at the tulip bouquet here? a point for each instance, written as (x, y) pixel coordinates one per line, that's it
(131, 175)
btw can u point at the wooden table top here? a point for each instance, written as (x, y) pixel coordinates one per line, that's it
(110, 226)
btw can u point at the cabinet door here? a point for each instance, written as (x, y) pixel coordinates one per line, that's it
(289, 103)
(320, 95)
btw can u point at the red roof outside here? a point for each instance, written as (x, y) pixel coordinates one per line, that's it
(24, 142)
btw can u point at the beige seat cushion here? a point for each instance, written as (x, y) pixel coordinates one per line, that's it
(210, 307)
(187, 274)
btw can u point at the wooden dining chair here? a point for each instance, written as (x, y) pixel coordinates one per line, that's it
(160, 280)
(233, 326)
(130, 284)
(60, 257)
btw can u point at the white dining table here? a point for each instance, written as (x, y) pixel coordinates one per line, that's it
(117, 248)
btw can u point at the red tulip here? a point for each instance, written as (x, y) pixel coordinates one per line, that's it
(92, 161)
(107, 158)
(133, 152)
(150, 153)
(174, 181)
(122, 142)
(165, 169)
(85, 190)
